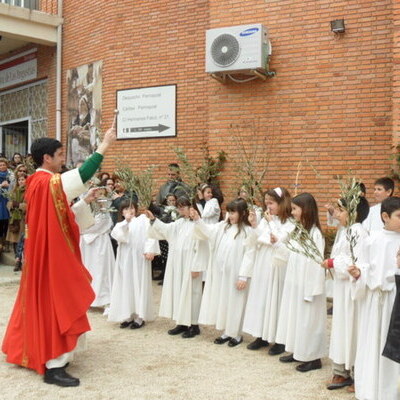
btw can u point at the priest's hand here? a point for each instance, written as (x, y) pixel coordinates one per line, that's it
(109, 138)
(354, 271)
(92, 195)
(149, 256)
(241, 285)
(195, 274)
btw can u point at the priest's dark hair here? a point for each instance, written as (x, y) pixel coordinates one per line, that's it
(242, 208)
(362, 208)
(387, 183)
(309, 210)
(43, 146)
(390, 205)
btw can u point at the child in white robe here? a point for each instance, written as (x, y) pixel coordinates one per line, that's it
(98, 257)
(266, 286)
(375, 376)
(302, 316)
(383, 189)
(343, 343)
(210, 214)
(132, 293)
(230, 267)
(182, 288)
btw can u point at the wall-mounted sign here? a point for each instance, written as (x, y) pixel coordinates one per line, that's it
(18, 69)
(146, 112)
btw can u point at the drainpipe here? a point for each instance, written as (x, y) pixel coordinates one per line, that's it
(58, 73)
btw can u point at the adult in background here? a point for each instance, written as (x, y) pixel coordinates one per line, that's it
(49, 314)
(5, 180)
(174, 185)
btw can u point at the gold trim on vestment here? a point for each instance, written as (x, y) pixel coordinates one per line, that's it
(61, 209)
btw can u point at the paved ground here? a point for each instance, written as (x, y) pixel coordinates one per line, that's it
(149, 364)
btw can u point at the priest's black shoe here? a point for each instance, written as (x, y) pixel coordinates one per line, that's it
(309, 366)
(178, 329)
(59, 377)
(257, 344)
(287, 359)
(193, 331)
(276, 349)
(221, 340)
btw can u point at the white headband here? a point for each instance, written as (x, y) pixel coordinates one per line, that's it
(278, 191)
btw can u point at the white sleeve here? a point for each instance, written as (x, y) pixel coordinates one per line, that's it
(121, 232)
(211, 209)
(72, 184)
(83, 214)
(152, 246)
(160, 230)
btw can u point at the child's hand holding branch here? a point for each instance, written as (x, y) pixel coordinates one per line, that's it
(354, 271)
(149, 215)
(194, 215)
(241, 285)
(252, 218)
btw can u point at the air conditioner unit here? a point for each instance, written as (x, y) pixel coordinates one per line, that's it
(237, 49)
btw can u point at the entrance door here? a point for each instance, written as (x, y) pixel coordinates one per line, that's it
(14, 138)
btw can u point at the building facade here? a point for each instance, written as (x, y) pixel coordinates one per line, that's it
(333, 105)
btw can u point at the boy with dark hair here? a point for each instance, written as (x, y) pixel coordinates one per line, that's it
(376, 377)
(383, 188)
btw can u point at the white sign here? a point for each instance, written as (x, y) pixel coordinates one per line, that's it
(18, 69)
(146, 112)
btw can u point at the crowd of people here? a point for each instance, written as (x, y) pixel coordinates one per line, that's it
(241, 273)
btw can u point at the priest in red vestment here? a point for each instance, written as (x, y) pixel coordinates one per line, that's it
(49, 314)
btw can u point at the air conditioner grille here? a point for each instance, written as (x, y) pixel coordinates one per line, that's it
(225, 50)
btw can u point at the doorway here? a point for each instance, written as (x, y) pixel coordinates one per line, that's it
(14, 138)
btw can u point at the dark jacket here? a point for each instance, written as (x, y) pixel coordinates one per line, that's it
(392, 348)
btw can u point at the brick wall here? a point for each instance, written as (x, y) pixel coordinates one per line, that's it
(329, 107)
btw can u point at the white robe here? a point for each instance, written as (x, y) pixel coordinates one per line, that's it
(343, 343)
(302, 317)
(181, 294)
(210, 215)
(265, 293)
(374, 221)
(223, 305)
(98, 258)
(132, 293)
(375, 376)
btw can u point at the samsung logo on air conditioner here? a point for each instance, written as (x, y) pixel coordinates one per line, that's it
(249, 32)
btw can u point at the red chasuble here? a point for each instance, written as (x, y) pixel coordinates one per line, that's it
(50, 310)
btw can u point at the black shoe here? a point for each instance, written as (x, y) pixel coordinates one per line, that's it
(160, 283)
(178, 329)
(276, 349)
(193, 331)
(135, 325)
(18, 266)
(339, 382)
(329, 311)
(257, 344)
(287, 359)
(309, 366)
(221, 340)
(125, 324)
(233, 342)
(59, 377)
